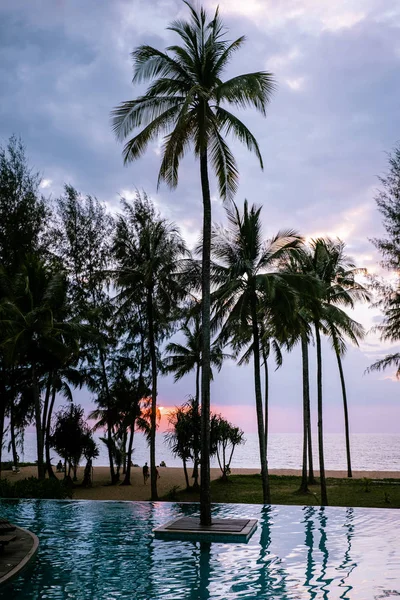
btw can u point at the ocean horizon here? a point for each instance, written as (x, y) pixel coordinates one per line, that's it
(369, 452)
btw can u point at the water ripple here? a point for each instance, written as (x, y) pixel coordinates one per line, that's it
(106, 551)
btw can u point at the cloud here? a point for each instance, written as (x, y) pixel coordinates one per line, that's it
(45, 183)
(65, 65)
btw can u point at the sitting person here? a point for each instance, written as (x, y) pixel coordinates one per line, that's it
(162, 464)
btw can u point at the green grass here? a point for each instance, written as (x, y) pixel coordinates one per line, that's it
(247, 489)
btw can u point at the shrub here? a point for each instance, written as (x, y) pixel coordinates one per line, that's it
(35, 488)
(7, 465)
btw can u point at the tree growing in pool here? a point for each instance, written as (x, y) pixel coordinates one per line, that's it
(188, 103)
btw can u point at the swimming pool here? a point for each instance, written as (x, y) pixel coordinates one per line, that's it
(106, 551)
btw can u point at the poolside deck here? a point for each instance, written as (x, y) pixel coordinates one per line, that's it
(17, 554)
(220, 530)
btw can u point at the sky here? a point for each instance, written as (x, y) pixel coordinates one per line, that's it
(64, 64)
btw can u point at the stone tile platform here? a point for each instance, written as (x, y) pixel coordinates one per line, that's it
(220, 530)
(17, 554)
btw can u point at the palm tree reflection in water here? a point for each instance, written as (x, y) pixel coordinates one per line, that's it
(309, 512)
(325, 554)
(316, 565)
(272, 577)
(347, 564)
(202, 556)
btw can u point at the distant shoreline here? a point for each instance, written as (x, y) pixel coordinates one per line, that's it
(170, 478)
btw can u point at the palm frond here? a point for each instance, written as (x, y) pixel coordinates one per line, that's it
(249, 90)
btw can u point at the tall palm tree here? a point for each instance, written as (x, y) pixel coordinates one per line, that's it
(338, 272)
(149, 251)
(299, 330)
(329, 319)
(188, 102)
(249, 287)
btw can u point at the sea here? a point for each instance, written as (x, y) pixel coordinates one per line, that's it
(369, 452)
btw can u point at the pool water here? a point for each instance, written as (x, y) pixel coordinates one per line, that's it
(106, 551)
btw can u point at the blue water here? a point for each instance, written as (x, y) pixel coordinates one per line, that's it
(106, 551)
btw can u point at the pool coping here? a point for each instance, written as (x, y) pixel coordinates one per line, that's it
(30, 555)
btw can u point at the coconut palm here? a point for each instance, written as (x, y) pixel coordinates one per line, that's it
(338, 274)
(299, 330)
(149, 251)
(251, 290)
(188, 103)
(328, 318)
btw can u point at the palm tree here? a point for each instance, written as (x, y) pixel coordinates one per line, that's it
(249, 291)
(299, 330)
(60, 380)
(184, 359)
(269, 344)
(32, 335)
(329, 319)
(187, 102)
(149, 252)
(337, 272)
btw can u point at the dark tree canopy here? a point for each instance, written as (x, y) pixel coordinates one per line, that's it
(388, 202)
(23, 211)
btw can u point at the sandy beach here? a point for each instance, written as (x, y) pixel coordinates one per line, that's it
(169, 478)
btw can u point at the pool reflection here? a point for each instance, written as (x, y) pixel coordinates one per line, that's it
(106, 550)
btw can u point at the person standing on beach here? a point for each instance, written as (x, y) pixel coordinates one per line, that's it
(146, 473)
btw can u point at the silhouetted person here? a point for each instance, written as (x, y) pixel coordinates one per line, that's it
(146, 473)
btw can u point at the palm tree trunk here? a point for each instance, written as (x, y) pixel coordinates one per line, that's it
(311, 476)
(38, 423)
(109, 424)
(195, 474)
(127, 479)
(186, 474)
(13, 436)
(324, 495)
(346, 414)
(3, 402)
(266, 398)
(306, 405)
(197, 396)
(45, 410)
(2, 417)
(153, 418)
(205, 496)
(259, 404)
(124, 440)
(49, 468)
